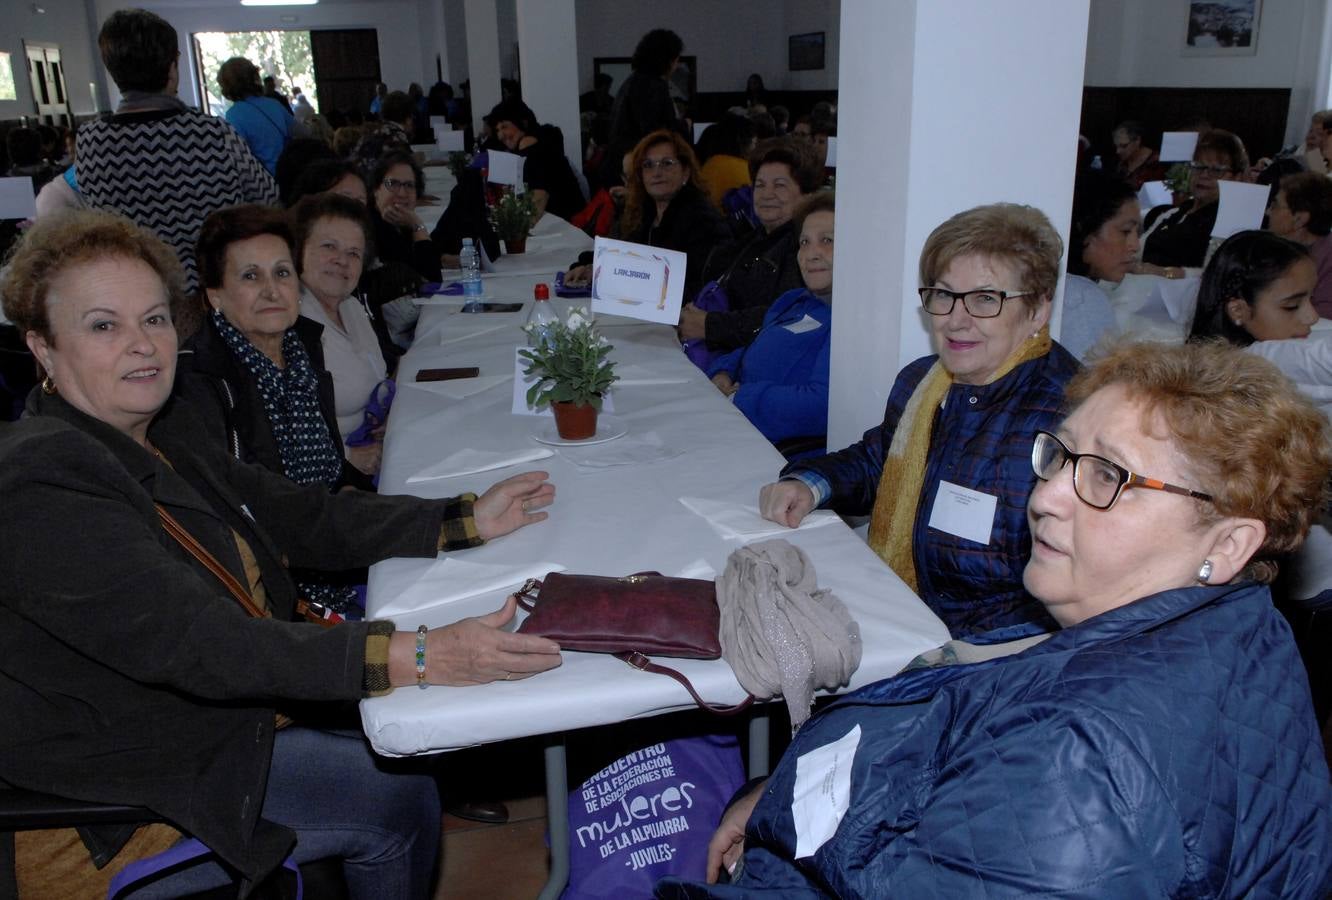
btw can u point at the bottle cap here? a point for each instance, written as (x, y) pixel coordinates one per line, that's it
(541, 292)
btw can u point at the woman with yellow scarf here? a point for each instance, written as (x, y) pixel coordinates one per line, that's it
(946, 475)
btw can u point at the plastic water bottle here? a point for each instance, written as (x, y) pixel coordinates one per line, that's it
(541, 317)
(471, 275)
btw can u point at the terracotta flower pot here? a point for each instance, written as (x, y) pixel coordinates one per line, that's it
(515, 247)
(575, 423)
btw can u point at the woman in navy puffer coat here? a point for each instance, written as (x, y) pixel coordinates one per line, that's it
(1161, 744)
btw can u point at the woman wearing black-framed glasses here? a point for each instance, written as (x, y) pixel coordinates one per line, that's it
(945, 477)
(1175, 238)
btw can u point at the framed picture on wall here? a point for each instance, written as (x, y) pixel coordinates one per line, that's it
(1222, 27)
(804, 52)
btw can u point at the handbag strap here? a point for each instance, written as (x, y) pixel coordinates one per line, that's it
(644, 664)
(200, 552)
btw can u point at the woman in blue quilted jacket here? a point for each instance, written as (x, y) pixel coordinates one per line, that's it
(1161, 743)
(944, 477)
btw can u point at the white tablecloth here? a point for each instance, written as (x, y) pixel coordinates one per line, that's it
(690, 442)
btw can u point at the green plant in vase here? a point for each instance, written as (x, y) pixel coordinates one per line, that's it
(512, 216)
(459, 163)
(1177, 179)
(572, 373)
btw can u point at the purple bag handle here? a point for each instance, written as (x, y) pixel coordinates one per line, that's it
(174, 857)
(712, 298)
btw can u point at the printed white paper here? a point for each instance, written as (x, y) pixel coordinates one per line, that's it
(831, 161)
(449, 141)
(1241, 207)
(822, 792)
(963, 512)
(637, 281)
(1154, 194)
(17, 201)
(505, 168)
(1177, 146)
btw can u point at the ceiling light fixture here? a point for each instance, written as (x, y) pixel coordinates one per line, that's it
(278, 2)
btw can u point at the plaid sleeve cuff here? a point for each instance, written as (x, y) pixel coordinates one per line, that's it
(819, 485)
(458, 531)
(376, 678)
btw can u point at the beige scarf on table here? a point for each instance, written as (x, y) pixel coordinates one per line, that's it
(903, 476)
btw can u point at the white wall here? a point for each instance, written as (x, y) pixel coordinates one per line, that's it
(730, 39)
(65, 23)
(1139, 43)
(398, 22)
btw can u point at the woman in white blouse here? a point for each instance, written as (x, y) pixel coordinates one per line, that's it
(332, 237)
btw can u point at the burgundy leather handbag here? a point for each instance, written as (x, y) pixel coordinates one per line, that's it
(630, 617)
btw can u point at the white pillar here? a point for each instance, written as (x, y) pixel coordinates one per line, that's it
(548, 60)
(942, 105)
(483, 58)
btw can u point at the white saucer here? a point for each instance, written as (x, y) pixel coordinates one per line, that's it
(608, 429)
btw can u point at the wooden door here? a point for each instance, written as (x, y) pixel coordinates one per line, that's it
(346, 68)
(47, 77)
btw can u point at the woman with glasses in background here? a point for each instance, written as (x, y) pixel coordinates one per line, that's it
(945, 476)
(396, 182)
(1175, 238)
(667, 205)
(1159, 741)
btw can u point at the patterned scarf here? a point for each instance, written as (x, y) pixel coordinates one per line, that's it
(291, 401)
(309, 454)
(903, 476)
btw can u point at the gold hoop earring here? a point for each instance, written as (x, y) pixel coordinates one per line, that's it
(48, 386)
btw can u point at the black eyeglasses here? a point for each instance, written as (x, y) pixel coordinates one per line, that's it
(394, 185)
(981, 304)
(1218, 171)
(665, 163)
(1097, 481)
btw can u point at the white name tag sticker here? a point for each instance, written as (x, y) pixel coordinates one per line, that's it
(808, 323)
(822, 792)
(637, 281)
(963, 512)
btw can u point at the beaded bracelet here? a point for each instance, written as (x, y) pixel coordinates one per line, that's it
(420, 657)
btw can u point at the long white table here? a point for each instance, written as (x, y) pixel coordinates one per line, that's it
(608, 521)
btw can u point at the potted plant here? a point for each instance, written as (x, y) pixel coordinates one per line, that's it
(1177, 179)
(572, 374)
(512, 215)
(459, 163)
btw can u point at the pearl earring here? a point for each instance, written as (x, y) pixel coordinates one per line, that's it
(1205, 571)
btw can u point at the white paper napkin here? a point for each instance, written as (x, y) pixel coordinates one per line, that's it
(448, 580)
(741, 522)
(632, 449)
(467, 462)
(459, 388)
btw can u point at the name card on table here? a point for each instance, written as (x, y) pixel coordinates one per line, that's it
(450, 141)
(17, 200)
(439, 123)
(1177, 146)
(522, 382)
(1241, 207)
(637, 281)
(506, 168)
(1154, 194)
(699, 128)
(831, 161)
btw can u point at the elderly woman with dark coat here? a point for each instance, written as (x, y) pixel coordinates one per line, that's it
(666, 204)
(129, 671)
(1159, 742)
(756, 270)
